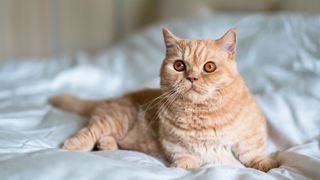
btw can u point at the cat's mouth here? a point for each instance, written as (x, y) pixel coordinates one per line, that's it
(195, 93)
(194, 88)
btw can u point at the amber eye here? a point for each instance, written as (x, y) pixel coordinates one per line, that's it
(179, 65)
(209, 67)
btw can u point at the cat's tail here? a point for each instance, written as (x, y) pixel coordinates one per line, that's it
(74, 104)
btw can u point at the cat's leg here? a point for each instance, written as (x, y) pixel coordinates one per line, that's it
(83, 140)
(109, 123)
(251, 152)
(178, 156)
(87, 137)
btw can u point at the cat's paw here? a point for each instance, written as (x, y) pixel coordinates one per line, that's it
(185, 163)
(107, 143)
(76, 144)
(264, 164)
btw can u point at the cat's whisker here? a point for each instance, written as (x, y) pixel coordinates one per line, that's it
(169, 100)
(156, 101)
(161, 107)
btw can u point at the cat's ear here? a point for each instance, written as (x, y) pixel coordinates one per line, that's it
(169, 38)
(228, 42)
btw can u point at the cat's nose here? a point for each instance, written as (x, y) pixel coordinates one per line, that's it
(192, 77)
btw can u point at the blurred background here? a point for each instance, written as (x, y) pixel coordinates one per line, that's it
(48, 28)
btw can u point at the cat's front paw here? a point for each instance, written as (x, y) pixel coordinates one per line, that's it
(185, 163)
(264, 164)
(75, 143)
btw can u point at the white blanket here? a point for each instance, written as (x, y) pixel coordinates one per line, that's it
(278, 55)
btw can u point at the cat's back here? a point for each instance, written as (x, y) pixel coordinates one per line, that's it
(144, 96)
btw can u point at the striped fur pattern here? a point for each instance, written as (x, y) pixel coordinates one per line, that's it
(197, 118)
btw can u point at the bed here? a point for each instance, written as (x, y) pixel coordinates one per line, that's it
(278, 56)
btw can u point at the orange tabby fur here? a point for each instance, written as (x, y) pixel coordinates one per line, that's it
(211, 120)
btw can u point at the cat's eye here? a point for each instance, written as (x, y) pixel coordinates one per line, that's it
(209, 67)
(179, 65)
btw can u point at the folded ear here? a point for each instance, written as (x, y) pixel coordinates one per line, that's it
(228, 42)
(169, 38)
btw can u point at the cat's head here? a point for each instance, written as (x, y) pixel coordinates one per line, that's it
(198, 69)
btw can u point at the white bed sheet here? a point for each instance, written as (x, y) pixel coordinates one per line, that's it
(278, 55)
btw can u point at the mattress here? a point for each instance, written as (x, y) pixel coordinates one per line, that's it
(278, 56)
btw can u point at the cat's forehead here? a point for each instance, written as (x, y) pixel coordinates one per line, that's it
(196, 50)
(194, 43)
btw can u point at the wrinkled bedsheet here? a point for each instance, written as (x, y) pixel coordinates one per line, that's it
(278, 55)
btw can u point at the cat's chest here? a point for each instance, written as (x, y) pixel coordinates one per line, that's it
(202, 119)
(198, 124)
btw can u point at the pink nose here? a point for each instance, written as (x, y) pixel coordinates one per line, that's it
(192, 77)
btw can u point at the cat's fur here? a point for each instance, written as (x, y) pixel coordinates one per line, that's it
(211, 119)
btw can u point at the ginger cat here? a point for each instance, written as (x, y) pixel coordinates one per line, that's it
(203, 113)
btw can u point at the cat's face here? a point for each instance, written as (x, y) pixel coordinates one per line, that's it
(197, 69)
